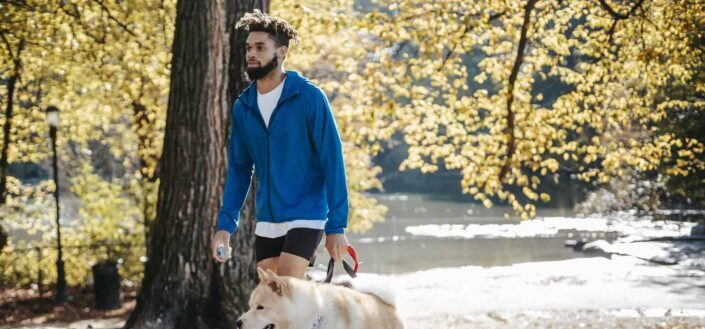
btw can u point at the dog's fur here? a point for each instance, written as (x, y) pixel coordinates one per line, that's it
(291, 303)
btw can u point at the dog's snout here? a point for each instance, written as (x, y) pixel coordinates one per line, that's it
(238, 324)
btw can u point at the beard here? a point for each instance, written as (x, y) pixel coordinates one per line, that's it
(262, 71)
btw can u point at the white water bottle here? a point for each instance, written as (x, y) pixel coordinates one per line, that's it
(221, 252)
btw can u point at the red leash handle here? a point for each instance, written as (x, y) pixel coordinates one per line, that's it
(352, 271)
(353, 254)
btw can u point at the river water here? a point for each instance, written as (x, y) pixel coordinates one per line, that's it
(423, 232)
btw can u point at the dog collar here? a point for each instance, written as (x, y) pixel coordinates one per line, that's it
(317, 323)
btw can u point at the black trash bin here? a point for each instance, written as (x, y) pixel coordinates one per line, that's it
(106, 285)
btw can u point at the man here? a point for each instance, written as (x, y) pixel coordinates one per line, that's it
(282, 124)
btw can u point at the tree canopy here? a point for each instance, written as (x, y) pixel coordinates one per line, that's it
(466, 81)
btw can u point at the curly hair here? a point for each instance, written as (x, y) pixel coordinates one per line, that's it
(277, 28)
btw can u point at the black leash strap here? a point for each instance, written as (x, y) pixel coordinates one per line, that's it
(352, 272)
(331, 266)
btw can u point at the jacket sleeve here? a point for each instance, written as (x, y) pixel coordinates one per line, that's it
(237, 181)
(326, 140)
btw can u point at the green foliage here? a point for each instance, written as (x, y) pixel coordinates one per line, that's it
(105, 65)
(615, 60)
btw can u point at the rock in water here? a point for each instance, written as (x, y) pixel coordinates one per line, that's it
(598, 247)
(577, 245)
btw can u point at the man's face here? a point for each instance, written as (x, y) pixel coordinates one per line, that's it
(262, 55)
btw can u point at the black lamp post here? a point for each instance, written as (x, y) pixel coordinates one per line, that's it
(53, 121)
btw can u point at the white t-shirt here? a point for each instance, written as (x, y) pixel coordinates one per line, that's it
(267, 102)
(275, 230)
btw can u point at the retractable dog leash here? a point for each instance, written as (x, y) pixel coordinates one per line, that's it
(352, 271)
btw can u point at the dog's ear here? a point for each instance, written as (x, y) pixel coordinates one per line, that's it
(263, 276)
(277, 284)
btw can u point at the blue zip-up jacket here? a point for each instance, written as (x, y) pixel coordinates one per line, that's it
(299, 159)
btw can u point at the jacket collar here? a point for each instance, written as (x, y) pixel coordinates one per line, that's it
(292, 86)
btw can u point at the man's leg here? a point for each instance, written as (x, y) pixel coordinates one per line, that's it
(267, 252)
(292, 265)
(298, 249)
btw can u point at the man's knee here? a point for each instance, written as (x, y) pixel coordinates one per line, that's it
(291, 265)
(269, 263)
(292, 272)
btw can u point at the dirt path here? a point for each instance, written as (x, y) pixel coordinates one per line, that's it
(489, 320)
(553, 319)
(622, 292)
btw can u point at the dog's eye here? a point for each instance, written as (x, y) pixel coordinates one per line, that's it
(260, 307)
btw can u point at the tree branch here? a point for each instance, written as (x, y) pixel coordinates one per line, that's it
(612, 12)
(78, 18)
(466, 29)
(619, 16)
(510, 89)
(9, 109)
(18, 3)
(7, 44)
(113, 18)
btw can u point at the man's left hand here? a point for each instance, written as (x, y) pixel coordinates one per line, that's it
(337, 245)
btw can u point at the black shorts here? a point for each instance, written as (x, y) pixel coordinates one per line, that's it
(301, 242)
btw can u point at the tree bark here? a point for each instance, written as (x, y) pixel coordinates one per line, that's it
(183, 287)
(518, 61)
(146, 132)
(7, 128)
(4, 236)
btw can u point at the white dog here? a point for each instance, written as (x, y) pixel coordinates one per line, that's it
(281, 302)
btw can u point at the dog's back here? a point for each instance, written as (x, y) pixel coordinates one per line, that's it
(370, 284)
(365, 305)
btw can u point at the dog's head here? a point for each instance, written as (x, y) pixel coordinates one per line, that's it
(270, 303)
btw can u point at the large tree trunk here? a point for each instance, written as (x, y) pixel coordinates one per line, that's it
(7, 128)
(183, 287)
(146, 132)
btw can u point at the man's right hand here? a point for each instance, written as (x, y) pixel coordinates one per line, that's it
(221, 237)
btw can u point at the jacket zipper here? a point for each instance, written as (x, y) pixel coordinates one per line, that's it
(269, 170)
(269, 176)
(269, 179)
